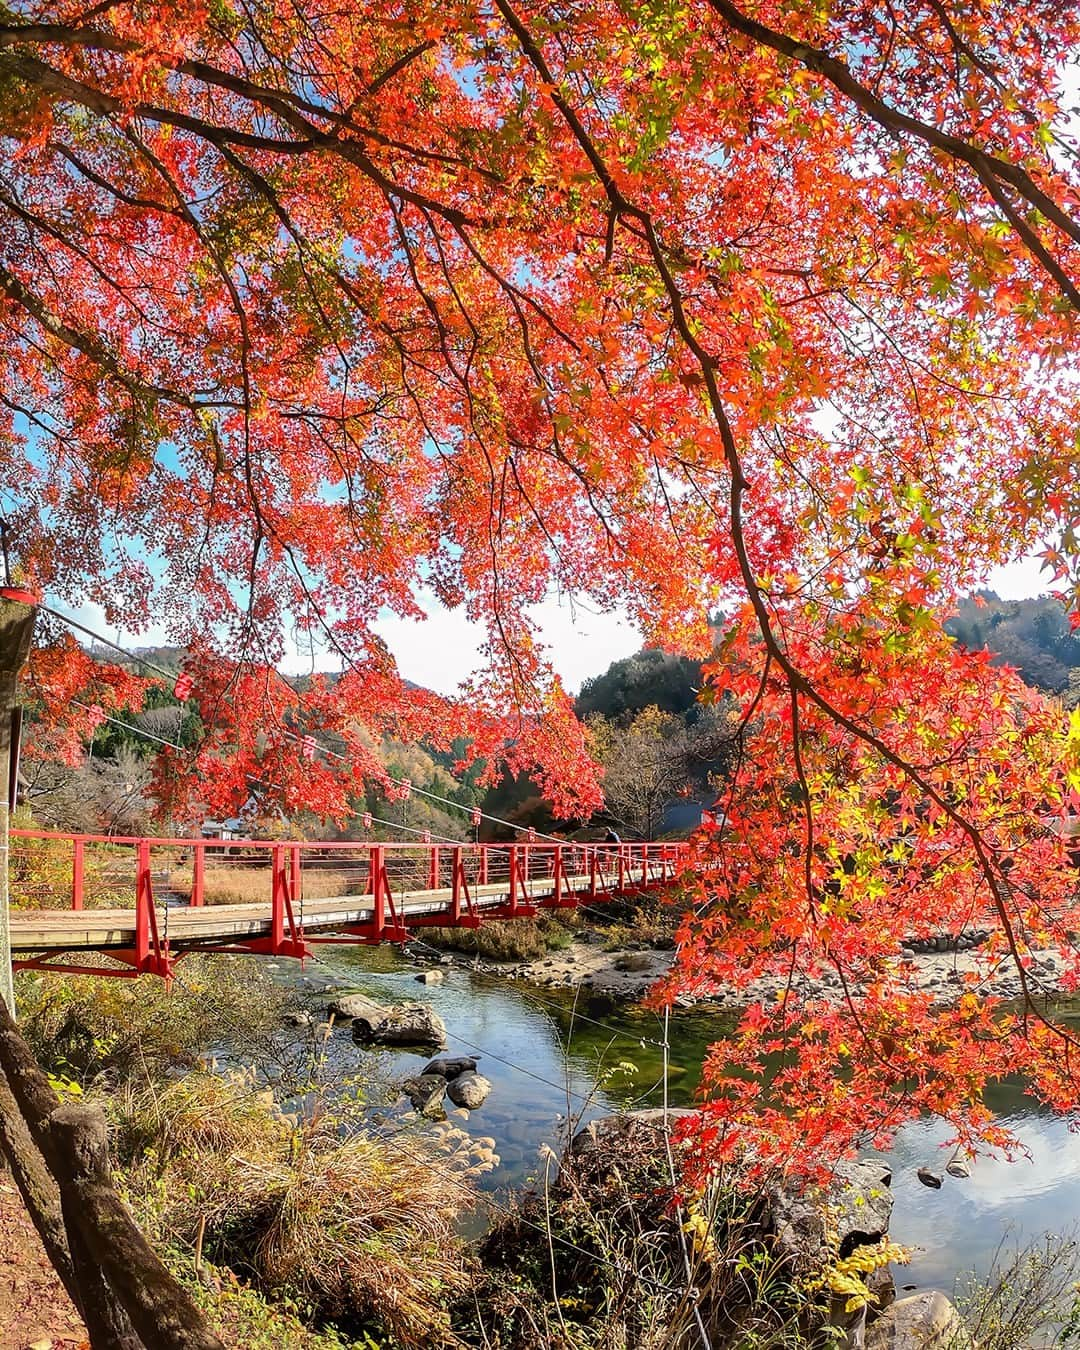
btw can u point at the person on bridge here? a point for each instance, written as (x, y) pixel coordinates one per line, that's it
(610, 860)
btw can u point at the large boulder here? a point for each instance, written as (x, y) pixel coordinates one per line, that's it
(413, 1024)
(349, 1007)
(404, 1024)
(469, 1090)
(812, 1222)
(926, 1321)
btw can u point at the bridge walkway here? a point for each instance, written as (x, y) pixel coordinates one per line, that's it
(467, 884)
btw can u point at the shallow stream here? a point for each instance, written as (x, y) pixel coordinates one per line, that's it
(544, 1057)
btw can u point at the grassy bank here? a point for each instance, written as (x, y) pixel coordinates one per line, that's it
(311, 1226)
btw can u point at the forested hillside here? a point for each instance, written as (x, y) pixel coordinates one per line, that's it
(1033, 635)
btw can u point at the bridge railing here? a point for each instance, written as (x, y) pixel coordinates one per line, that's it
(157, 878)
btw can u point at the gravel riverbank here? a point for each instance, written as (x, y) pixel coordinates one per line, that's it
(626, 973)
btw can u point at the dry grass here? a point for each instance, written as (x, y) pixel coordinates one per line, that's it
(200, 1113)
(509, 939)
(649, 918)
(361, 1230)
(242, 885)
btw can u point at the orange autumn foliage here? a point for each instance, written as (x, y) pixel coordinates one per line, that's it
(768, 306)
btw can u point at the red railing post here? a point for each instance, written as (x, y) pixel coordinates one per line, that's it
(433, 868)
(294, 872)
(457, 876)
(644, 867)
(77, 863)
(557, 875)
(513, 879)
(277, 897)
(379, 886)
(592, 873)
(483, 864)
(622, 867)
(144, 901)
(198, 876)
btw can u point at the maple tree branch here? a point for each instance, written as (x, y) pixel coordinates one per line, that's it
(797, 681)
(807, 803)
(92, 347)
(406, 59)
(838, 73)
(964, 48)
(142, 203)
(38, 73)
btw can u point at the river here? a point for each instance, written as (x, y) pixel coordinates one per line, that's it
(544, 1056)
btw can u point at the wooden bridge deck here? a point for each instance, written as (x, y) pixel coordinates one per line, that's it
(41, 930)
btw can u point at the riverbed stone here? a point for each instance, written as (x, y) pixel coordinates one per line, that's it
(431, 977)
(451, 1066)
(409, 1024)
(634, 963)
(426, 1092)
(469, 1090)
(350, 1007)
(926, 1321)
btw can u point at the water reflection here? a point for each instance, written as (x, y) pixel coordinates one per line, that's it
(544, 1058)
(960, 1227)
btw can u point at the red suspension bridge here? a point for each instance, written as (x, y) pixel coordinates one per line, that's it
(147, 902)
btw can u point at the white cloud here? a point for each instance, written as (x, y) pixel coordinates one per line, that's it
(444, 649)
(1019, 580)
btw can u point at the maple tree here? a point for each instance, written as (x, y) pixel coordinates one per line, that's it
(769, 306)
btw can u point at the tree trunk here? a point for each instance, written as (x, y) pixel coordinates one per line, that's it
(16, 634)
(128, 1297)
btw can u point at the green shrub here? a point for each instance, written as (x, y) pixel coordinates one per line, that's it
(85, 1027)
(1031, 1297)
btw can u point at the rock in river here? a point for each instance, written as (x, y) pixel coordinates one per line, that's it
(426, 1092)
(403, 1024)
(451, 1066)
(351, 1006)
(852, 1210)
(926, 1321)
(469, 1090)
